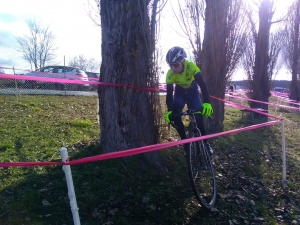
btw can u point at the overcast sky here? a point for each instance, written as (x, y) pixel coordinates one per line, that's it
(75, 32)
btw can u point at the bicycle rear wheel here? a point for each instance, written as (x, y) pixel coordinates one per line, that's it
(202, 174)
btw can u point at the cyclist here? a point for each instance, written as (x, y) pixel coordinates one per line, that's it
(186, 76)
(231, 88)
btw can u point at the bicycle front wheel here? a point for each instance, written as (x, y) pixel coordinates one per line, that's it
(202, 174)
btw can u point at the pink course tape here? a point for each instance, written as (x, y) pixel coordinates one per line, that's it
(267, 103)
(140, 150)
(244, 107)
(287, 100)
(56, 80)
(164, 145)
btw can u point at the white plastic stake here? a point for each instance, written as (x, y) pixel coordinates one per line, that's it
(284, 180)
(71, 191)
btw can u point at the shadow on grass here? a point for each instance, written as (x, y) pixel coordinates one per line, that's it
(117, 191)
(249, 174)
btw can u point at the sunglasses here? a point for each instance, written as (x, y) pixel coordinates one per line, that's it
(174, 65)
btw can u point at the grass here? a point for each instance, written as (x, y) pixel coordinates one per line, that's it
(248, 168)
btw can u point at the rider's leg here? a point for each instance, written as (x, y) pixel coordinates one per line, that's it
(200, 125)
(177, 108)
(194, 103)
(178, 105)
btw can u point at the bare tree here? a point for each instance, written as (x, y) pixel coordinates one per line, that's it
(267, 48)
(85, 64)
(277, 38)
(39, 46)
(214, 55)
(260, 75)
(94, 11)
(128, 42)
(291, 50)
(237, 40)
(223, 44)
(191, 21)
(248, 59)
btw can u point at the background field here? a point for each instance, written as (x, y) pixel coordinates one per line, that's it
(248, 168)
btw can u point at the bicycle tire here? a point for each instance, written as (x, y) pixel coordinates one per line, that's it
(201, 174)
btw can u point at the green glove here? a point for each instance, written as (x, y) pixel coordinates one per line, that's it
(207, 110)
(168, 116)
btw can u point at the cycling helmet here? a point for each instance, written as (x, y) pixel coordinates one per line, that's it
(175, 55)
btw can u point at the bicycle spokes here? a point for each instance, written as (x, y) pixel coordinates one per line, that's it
(199, 159)
(202, 175)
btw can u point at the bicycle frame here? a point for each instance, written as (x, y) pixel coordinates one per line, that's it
(199, 163)
(193, 126)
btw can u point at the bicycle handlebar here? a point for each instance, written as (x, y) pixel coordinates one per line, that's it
(189, 112)
(186, 113)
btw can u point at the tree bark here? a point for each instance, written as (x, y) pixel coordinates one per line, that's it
(126, 118)
(295, 68)
(214, 57)
(261, 82)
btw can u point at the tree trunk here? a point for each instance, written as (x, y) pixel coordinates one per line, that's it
(126, 118)
(295, 68)
(214, 57)
(260, 84)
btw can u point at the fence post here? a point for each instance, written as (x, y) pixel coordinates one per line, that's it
(16, 84)
(71, 191)
(284, 180)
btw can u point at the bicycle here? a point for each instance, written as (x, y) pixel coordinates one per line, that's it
(200, 167)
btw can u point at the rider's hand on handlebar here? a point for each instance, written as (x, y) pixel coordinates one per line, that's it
(169, 117)
(207, 110)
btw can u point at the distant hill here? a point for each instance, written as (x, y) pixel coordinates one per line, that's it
(275, 83)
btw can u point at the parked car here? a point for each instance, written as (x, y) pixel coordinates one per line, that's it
(93, 77)
(281, 89)
(59, 72)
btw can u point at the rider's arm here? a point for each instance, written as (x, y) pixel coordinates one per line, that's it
(169, 98)
(202, 84)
